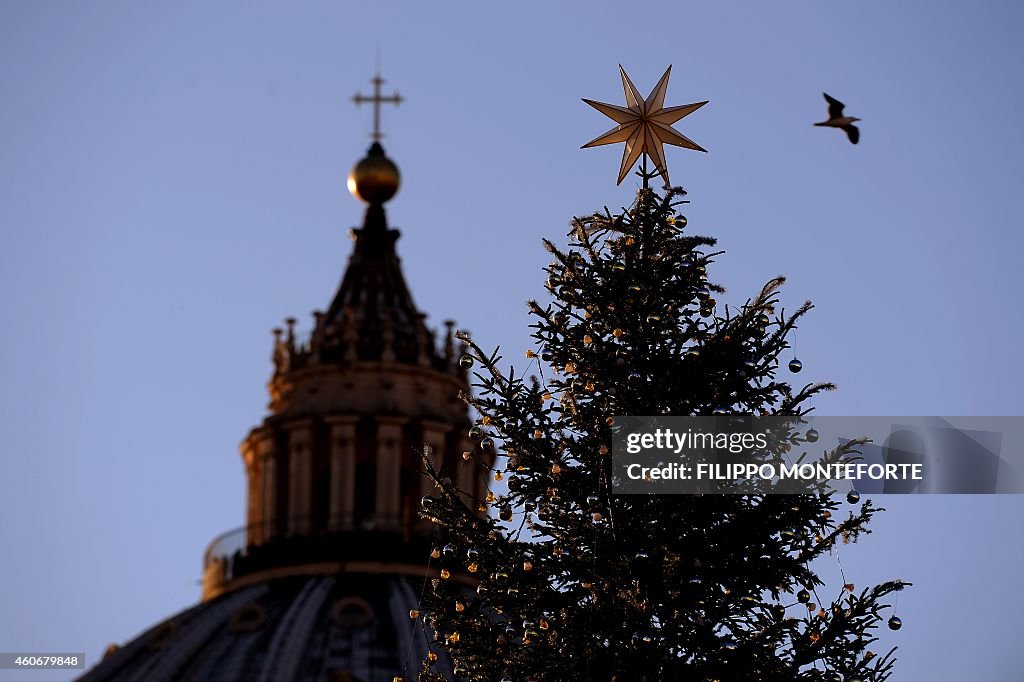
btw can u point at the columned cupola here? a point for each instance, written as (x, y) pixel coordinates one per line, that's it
(334, 472)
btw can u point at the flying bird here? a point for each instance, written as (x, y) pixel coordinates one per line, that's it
(837, 120)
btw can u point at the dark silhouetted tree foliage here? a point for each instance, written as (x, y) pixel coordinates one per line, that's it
(578, 584)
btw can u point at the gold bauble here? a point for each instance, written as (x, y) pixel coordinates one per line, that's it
(375, 178)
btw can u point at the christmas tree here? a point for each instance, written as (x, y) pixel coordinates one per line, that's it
(576, 583)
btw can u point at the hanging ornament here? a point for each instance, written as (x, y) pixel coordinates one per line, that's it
(414, 614)
(617, 333)
(427, 501)
(473, 568)
(459, 607)
(476, 433)
(466, 361)
(449, 551)
(546, 355)
(538, 434)
(497, 476)
(435, 553)
(795, 366)
(895, 623)
(445, 573)
(505, 514)
(588, 339)
(487, 444)
(803, 596)
(853, 497)
(530, 354)
(811, 436)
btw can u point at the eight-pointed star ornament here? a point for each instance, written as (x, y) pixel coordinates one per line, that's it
(644, 125)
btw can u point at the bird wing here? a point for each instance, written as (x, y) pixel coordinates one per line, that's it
(835, 107)
(852, 132)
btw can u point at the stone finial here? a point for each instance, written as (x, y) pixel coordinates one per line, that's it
(424, 342)
(291, 334)
(449, 341)
(280, 354)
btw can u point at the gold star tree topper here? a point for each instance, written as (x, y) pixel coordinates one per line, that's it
(644, 125)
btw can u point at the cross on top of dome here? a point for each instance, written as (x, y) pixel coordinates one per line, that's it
(377, 99)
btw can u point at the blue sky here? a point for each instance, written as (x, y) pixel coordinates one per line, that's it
(174, 186)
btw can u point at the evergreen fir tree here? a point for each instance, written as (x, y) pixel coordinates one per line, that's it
(578, 584)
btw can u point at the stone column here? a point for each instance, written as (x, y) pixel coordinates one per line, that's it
(389, 463)
(343, 472)
(254, 494)
(265, 454)
(300, 483)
